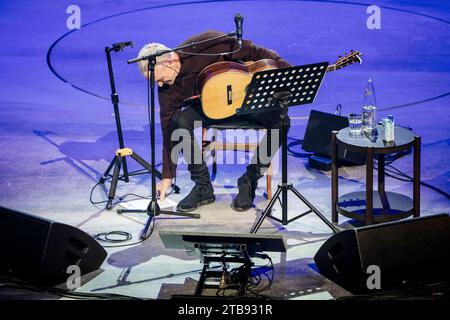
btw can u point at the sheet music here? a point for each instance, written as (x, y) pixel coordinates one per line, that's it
(142, 204)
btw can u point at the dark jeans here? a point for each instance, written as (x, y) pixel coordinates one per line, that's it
(184, 119)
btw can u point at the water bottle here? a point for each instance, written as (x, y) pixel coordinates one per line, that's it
(369, 108)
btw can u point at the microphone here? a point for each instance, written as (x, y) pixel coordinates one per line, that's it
(238, 19)
(120, 45)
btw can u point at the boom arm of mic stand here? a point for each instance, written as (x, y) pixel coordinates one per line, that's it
(192, 44)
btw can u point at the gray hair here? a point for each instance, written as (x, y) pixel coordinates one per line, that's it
(151, 48)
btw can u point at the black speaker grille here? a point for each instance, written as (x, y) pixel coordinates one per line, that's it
(22, 215)
(399, 222)
(416, 249)
(23, 238)
(40, 250)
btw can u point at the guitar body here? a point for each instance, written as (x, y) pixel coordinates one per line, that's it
(222, 86)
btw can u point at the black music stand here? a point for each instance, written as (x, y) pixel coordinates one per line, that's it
(280, 89)
(223, 248)
(119, 159)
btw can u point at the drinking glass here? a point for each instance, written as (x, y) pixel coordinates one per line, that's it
(355, 121)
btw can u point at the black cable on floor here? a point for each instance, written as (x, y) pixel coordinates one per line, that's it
(121, 177)
(397, 174)
(106, 236)
(120, 197)
(111, 237)
(296, 142)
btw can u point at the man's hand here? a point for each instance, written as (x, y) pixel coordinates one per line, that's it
(161, 188)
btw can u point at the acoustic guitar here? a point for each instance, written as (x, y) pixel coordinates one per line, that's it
(222, 86)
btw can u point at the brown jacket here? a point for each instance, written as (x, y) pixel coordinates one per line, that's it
(171, 97)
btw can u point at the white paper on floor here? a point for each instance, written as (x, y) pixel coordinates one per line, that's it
(142, 204)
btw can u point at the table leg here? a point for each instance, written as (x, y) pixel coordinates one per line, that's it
(381, 184)
(369, 186)
(334, 177)
(416, 178)
(381, 173)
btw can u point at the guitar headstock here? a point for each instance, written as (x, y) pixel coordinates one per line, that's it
(346, 60)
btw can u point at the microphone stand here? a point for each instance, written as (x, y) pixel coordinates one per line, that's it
(153, 209)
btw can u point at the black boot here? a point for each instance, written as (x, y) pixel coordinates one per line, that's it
(203, 191)
(244, 199)
(200, 195)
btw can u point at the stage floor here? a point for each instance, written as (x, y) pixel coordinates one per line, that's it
(57, 140)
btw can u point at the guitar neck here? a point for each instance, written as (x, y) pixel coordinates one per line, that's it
(355, 56)
(331, 67)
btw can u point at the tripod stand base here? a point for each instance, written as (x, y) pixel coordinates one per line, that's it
(146, 232)
(117, 162)
(282, 99)
(181, 214)
(153, 211)
(282, 191)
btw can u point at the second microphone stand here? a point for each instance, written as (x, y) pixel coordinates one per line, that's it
(153, 209)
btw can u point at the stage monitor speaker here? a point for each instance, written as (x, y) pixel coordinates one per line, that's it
(317, 137)
(39, 250)
(412, 251)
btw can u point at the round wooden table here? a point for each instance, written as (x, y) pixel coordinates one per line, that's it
(373, 206)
